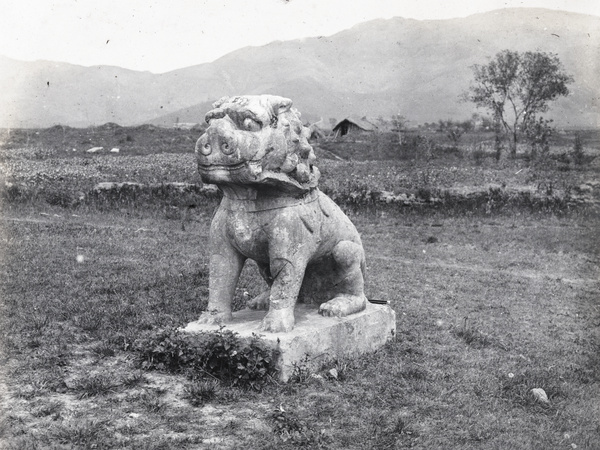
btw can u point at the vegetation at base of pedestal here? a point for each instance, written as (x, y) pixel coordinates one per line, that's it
(222, 355)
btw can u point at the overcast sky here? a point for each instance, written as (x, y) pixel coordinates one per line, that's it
(163, 35)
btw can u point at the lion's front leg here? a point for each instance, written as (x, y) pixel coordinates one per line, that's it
(287, 280)
(225, 267)
(291, 244)
(224, 274)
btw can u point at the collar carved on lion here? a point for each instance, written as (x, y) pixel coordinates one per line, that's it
(257, 142)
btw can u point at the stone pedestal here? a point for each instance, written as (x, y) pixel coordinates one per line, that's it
(321, 338)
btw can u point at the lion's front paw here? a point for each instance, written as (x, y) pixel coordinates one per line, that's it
(261, 301)
(343, 306)
(215, 317)
(278, 321)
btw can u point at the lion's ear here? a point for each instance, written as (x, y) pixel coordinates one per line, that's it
(279, 104)
(220, 102)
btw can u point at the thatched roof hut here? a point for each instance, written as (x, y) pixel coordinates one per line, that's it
(352, 125)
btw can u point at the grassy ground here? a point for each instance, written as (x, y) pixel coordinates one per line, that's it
(488, 309)
(493, 299)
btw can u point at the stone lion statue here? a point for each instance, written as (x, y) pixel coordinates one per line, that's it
(256, 151)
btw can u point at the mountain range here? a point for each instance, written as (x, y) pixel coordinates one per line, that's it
(416, 68)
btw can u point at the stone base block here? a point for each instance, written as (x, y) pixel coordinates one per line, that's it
(321, 338)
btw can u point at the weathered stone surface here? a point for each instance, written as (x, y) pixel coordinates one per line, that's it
(323, 339)
(256, 151)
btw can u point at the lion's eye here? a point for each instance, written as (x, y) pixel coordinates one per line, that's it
(251, 125)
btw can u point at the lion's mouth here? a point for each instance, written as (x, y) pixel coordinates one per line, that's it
(249, 167)
(228, 167)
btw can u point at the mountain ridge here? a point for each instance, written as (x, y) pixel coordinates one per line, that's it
(376, 68)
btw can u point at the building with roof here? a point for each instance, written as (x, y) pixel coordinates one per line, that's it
(353, 125)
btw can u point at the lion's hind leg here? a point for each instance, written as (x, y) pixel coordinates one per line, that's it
(261, 301)
(350, 260)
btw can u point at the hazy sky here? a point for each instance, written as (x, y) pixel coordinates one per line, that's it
(162, 35)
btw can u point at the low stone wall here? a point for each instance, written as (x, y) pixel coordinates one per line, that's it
(489, 197)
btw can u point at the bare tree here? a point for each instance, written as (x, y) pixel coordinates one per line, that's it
(399, 123)
(515, 87)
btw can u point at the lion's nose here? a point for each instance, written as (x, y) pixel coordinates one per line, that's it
(203, 146)
(226, 145)
(215, 141)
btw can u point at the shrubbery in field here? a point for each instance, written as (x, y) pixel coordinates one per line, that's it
(538, 133)
(375, 169)
(578, 150)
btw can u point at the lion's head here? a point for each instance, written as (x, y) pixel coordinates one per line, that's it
(257, 140)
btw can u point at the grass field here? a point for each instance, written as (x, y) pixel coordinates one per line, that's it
(490, 304)
(487, 310)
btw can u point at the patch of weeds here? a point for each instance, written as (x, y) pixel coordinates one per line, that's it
(103, 349)
(33, 342)
(23, 442)
(301, 372)
(248, 363)
(94, 385)
(478, 156)
(201, 392)
(124, 340)
(53, 380)
(28, 392)
(518, 389)
(83, 433)
(134, 379)
(384, 430)
(410, 351)
(401, 426)
(290, 428)
(590, 372)
(39, 383)
(413, 372)
(339, 371)
(49, 409)
(90, 320)
(151, 401)
(425, 193)
(473, 337)
(38, 322)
